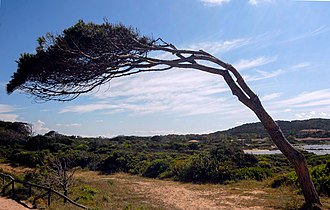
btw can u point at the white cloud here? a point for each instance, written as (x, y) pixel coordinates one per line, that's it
(263, 75)
(257, 2)
(5, 108)
(312, 114)
(219, 46)
(309, 99)
(39, 127)
(87, 108)
(182, 92)
(153, 132)
(271, 96)
(214, 2)
(308, 34)
(305, 105)
(301, 65)
(252, 63)
(8, 117)
(69, 125)
(5, 113)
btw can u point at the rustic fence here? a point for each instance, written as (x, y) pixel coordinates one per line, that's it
(9, 182)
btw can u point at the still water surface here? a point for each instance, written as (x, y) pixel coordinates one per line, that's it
(315, 148)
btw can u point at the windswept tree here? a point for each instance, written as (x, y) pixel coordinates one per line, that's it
(86, 56)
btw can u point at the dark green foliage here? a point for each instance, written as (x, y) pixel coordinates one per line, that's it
(28, 158)
(209, 158)
(86, 193)
(288, 128)
(220, 165)
(254, 173)
(14, 132)
(123, 162)
(54, 144)
(76, 61)
(320, 176)
(155, 168)
(285, 179)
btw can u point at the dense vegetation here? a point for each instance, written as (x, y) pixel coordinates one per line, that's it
(212, 158)
(292, 128)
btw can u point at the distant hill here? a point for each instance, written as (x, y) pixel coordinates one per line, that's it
(18, 130)
(288, 127)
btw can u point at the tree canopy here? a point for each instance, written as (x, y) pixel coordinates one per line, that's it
(78, 60)
(87, 55)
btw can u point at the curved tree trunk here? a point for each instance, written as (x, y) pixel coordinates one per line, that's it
(297, 159)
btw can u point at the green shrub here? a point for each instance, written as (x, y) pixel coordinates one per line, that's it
(87, 193)
(156, 168)
(255, 173)
(28, 158)
(321, 178)
(285, 179)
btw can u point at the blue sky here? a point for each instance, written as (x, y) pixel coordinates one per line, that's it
(281, 48)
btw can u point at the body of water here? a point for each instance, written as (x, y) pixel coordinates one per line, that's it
(316, 149)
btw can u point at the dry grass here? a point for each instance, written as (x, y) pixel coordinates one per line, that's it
(123, 191)
(15, 170)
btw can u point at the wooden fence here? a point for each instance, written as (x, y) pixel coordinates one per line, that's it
(9, 182)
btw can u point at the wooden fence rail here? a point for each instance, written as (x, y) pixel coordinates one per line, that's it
(49, 191)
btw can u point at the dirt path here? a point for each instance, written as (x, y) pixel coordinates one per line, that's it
(181, 197)
(173, 195)
(8, 204)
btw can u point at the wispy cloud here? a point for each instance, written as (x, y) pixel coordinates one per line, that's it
(153, 132)
(6, 113)
(261, 75)
(182, 92)
(257, 2)
(252, 63)
(309, 99)
(301, 65)
(87, 108)
(305, 105)
(214, 2)
(219, 46)
(271, 96)
(69, 125)
(309, 34)
(312, 114)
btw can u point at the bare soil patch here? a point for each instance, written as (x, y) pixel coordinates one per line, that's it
(8, 204)
(174, 195)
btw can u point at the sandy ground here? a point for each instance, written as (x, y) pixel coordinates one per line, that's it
(178, 196)
(8, 204)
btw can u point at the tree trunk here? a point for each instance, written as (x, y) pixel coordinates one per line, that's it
(294, 156)
(251, 100)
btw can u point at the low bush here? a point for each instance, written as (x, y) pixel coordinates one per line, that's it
(320, 176)
(156, 168)
(255, 173)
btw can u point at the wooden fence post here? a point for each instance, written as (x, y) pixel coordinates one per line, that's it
(49, 196)
(12, 186)
(30, 190)
(48, 192)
